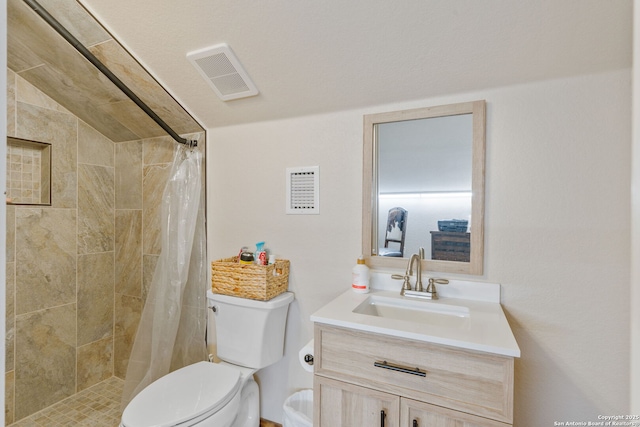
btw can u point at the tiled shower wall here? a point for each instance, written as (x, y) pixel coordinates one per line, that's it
(77, 271)
(142, 170)
(24, 174)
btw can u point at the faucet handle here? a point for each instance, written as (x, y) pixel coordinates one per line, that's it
(406, 285)
(431, 288)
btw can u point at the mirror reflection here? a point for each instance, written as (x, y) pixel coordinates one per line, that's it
(424, 187)
(424, 175)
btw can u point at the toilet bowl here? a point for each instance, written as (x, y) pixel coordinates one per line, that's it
(202, 394)
(250, 336)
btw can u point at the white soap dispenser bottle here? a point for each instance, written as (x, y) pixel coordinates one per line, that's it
(360, 277)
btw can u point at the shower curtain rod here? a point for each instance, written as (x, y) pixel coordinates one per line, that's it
(37, 8)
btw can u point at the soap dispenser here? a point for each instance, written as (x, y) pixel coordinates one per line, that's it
(360, 277)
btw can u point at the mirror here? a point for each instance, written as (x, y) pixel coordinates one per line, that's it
(423, 186)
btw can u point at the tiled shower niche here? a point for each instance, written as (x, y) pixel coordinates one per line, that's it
(28, 172)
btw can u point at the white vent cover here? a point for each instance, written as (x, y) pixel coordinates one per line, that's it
(303, 192)
(222, 70)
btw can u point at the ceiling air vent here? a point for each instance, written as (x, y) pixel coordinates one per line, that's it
(222, 70)
(303, 190)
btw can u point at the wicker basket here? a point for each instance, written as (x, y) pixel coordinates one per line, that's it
(259, 282)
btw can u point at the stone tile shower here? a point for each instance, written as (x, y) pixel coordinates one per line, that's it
(78, 270)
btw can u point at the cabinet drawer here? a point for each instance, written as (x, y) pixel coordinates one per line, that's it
(469, 381)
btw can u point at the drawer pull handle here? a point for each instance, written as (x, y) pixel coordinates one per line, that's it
(415, 423)
(404, 369)
(382, 415)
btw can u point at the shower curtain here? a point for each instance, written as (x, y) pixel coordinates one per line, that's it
(172, 328)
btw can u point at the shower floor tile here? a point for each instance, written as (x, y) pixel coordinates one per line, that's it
(97, 406)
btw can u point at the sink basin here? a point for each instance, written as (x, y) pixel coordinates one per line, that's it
(474, 323)
(425, 312)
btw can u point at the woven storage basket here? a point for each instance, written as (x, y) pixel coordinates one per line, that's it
(259, 282)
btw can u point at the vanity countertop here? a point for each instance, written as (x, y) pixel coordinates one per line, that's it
(480, 325)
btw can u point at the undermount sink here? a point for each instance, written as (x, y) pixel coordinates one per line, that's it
(417, 311)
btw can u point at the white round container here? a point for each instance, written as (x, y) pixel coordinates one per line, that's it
(360, 277)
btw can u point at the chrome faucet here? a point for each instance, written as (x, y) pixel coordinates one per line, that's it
(406, 285)
(431, 291)
(417, 257)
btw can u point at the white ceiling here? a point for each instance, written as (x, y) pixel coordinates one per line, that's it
(309, 57)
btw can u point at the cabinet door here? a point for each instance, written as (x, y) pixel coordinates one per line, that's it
(338, 404)
(419, 414)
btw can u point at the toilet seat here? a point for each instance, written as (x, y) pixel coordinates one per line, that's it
(183, 397)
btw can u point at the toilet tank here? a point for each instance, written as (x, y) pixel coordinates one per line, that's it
(248, 332)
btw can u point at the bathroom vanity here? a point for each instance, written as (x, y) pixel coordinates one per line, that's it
(385, 360)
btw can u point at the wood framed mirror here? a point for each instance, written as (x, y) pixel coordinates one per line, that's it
(430, 162)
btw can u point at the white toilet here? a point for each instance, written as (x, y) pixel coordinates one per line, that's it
(250, 336)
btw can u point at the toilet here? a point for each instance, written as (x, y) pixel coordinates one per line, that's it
(250, 336)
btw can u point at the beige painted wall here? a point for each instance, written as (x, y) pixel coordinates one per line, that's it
(557, 231)
(635, 219)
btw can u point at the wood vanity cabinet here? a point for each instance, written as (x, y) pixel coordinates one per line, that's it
(415, 383)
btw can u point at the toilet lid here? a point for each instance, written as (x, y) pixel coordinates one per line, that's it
(183, 395)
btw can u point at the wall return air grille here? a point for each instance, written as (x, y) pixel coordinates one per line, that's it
(222, 70)
(303, 192)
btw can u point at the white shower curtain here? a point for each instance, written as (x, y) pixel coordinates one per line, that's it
(172, 328)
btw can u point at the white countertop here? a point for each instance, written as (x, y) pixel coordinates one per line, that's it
(484, 329)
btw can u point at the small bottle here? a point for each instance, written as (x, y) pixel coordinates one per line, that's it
(246, 257)
(272, 261)
(360, 277)
(243, 249)
(260, 255)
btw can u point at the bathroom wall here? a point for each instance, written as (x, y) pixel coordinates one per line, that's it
(557, 231)
(134, 232)
(635, 219)
(60, 261)
(77, 271)
(142, 169)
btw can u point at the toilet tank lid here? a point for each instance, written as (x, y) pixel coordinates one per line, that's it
(275, 302)
(182, 395)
